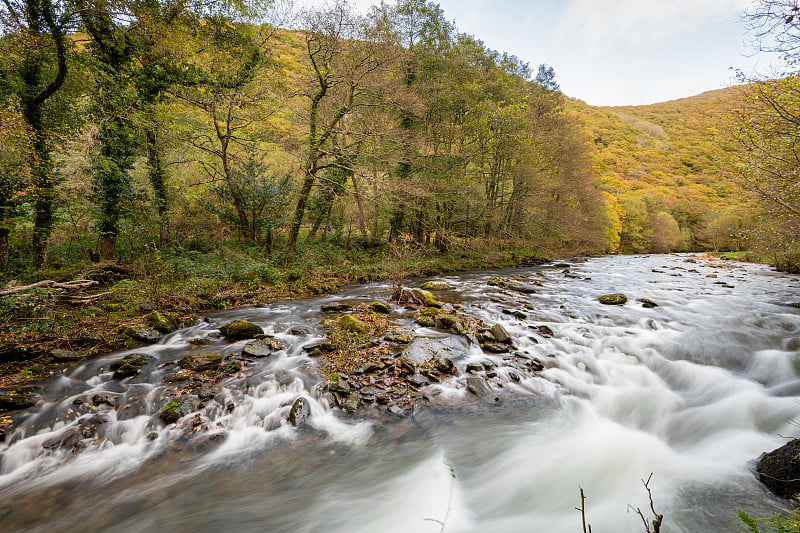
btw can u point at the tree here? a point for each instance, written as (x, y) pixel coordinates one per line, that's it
(546, 77)
(344, 53)
(38, 51)
(15, 143)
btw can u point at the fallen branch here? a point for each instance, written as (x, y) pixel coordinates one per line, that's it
(66, 286)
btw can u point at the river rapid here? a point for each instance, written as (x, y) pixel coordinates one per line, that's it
(692, 391)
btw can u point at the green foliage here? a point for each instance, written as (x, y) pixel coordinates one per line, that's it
(788, 522)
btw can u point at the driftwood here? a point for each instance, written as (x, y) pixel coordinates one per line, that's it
(67, 292)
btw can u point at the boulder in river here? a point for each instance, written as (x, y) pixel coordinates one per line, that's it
(478, 386)
(353, 324)
(424, 298)
(779, 469)
(500, 334)
(613, 299)
(240, 329)
(300, 412)
(424, 349)
(175, 409)
(436, 285)
(257, 349)
(647, 303)
(130, 365)
(380, 307)
(200, 362)
(145, 335)
(162, 322)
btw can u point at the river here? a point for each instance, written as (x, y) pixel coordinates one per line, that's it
(692, 391)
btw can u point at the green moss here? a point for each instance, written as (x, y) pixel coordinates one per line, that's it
(241, 330)
(231, 367)
(613, 299)
(380, 307)
(353, 325)
(172, 412)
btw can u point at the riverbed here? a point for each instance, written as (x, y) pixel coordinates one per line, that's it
(691, 391)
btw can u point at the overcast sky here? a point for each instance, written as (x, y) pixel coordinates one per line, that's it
(616, 52)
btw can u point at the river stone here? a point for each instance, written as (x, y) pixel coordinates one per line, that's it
(380, 307)
(284, 377)
(300, 330)
(256, 349)
(65, 356)
(518, 287)
(545, 331)
(162, 322)
(478, 386)
(500, 334)
(613, 299)
(335, 308)
(176, 409)
(20, 398)
(647, 303)
(424, 349)
(436, 285)
(201, 362)
(425, 298)
(351, 404)
(300, 412)
(446, 321)
(353, 324)
(130, 365)
(417, 381)
(340, 385)
(779, 469)
(240, 329)
(494, 347)
(145, 335)
(426, 321)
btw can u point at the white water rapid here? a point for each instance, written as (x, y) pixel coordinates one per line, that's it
(692, 391)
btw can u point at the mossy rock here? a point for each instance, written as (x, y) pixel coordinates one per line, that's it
(352, 324)
(426, 298)
(174, 411)
(231, 367)
(380, 307)
(200, 362)
(436, 285)
(130, 365)
(613, 299)
(445, 321)
(779, 469)
(300, 412)
(145, 335)
(162, 322)
(241, 330)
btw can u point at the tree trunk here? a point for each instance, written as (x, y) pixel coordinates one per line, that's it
(357, 196)
(106, 247)
(4, 233)
(299, 212)
(157, 176)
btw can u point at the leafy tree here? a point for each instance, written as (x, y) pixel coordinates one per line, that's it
(546, 77)
(15, 143)
(35, 68)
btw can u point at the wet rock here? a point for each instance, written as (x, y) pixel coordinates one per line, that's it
(322, 346)
(500, 334)
(353, 324)
(396, 339)
(545, 331)
(372, 394)
(613, 299)
(436, 285)
(110, 400)
(300, 412)
(300, 330)
(145, 335)
(335, 308)
(162, 322)
(351, 404)
(396, 410)
(201, 362)
(201, 341)
(283, 377)
(779, 469)
(130, 365)
(518, 287)
(478, 386)
(474, 368)
(240, 329)
(146, 308)
(340, 386)
(426, 321)
(647, 303)
(424, 298)
(231, 367)
(424, 349)
(494, 347)
(65, 356)
(380, 307)
(177, 377)
(445, 321)
(175, 410)
(417, 381)
(19, 398)
(445, 366)
(257, 349)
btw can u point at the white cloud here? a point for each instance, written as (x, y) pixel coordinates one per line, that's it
(601, 23)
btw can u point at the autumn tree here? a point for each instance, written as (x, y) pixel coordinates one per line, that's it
(34, 68)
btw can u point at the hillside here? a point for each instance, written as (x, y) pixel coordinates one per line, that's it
(663, 166)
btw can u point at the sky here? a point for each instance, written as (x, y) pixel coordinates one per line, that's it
(617, 52)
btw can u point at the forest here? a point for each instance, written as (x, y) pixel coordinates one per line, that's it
(200, 156)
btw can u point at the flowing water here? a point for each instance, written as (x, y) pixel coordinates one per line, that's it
(692, 391)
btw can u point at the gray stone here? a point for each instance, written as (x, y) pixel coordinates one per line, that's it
(424, 349)
(500, 334)
(478, 386)
(257, 349)
(779, 469)
(436, 285)
(300, 412)
(201, 362)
